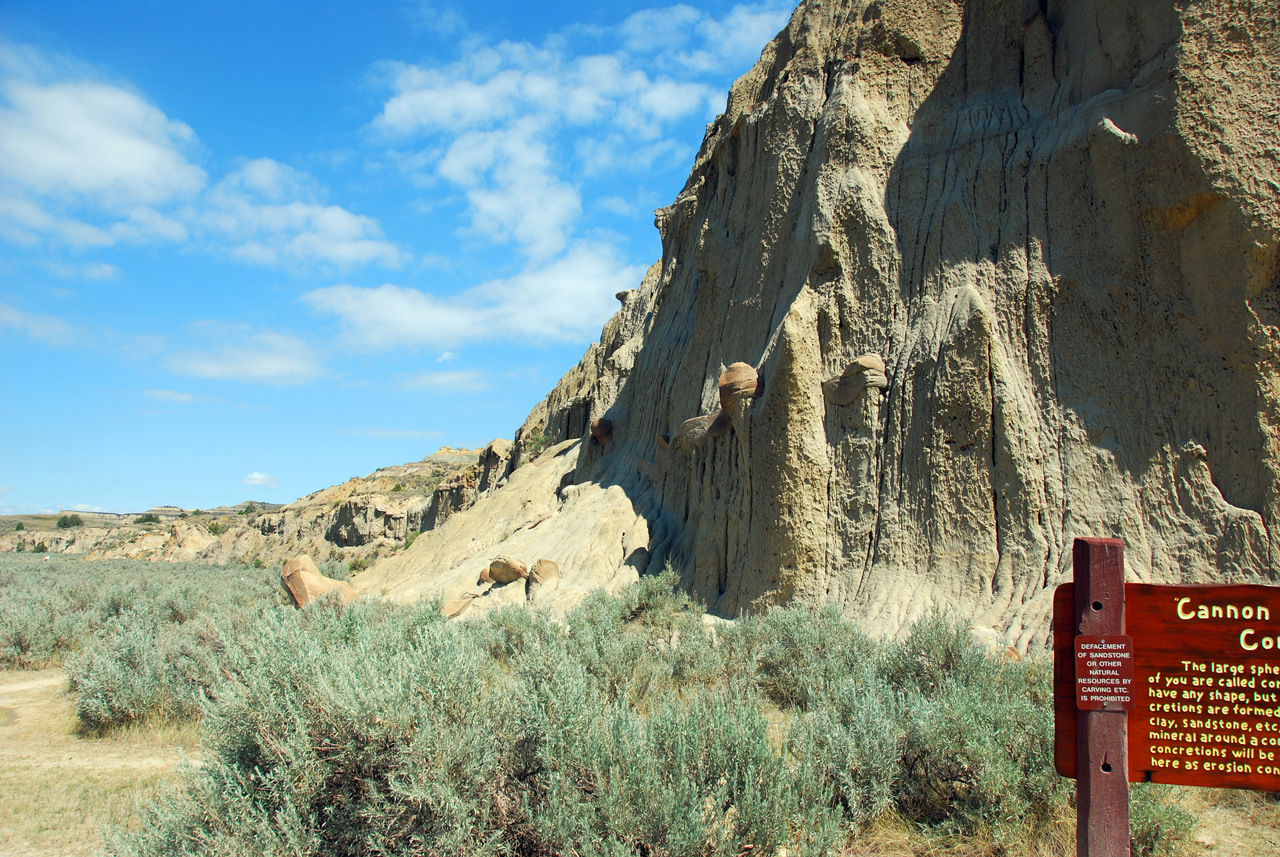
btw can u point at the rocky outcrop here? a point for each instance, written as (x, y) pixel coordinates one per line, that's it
(586, 537)
(1053, 226)
(503, 570)
(304, 583)
(359, 520)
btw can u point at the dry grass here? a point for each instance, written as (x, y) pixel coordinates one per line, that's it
(1233, 823)
(60, 789)
(893, 836)
(1230, 823)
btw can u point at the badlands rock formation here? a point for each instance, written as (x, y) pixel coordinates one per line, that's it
(361, 519)
(1008, 273)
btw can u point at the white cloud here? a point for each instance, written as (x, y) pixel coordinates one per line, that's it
(615, 204)
(270, 214)
(93, 140)
(428, 99)
(259, 480)
(523, 200)
(24, 221)
(5, 489)
(513, 125)
(457, 381)
(447, 357)
(171, 396)
(43, 328)
(444, 22)
(666, 28)
(271, 180)
(740, 35)
(565, 300)
(85, 163)
(701, 43)
(85, 271)
(240, 354)
(392, 316)
(517, 127)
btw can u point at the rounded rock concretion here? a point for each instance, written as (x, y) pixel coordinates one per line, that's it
(740, 379)
(506, 569)
(865, 371)
(602, 430)
(544, 577)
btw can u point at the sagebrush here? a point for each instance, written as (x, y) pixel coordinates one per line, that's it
(631, 726)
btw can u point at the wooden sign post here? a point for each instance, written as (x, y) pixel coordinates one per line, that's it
(1102, 737)
(1166, 684)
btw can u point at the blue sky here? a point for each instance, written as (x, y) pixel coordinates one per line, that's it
(250, 250)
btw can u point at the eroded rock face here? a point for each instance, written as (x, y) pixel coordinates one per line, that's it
(362, 518)
(1057, 226)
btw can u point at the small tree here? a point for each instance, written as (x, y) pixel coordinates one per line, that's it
(20, 526)
(148, 518)
(66, 522)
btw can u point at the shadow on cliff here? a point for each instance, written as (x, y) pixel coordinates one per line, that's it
(1045, 203)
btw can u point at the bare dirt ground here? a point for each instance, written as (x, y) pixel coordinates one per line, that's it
(58, 789)
(1232, 823)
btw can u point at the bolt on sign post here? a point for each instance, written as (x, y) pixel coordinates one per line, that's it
(1166, 684)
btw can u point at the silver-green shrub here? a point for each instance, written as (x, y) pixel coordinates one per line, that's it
(627, 728)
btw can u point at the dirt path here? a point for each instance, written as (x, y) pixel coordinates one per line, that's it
(58, 789)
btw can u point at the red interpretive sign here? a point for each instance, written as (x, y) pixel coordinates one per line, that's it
(1205, 700)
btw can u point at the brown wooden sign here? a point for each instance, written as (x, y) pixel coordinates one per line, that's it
(1206, 679)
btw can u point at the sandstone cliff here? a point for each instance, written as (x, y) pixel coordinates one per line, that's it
(1056, 224)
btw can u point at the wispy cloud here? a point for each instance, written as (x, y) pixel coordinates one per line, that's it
(565, 300)
(171, 396)
(239, 353)
(517, 129)
(83, 161)
(93, 141)
(431, 17)
(259, 480)
(273, 214)
(43, 328)
(458, 380)
(86, 163)
(87, 271)
(507, 123)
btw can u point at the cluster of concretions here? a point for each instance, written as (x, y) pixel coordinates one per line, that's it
(740, 384)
